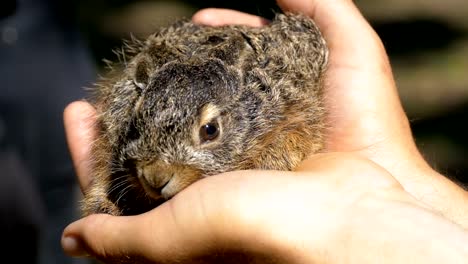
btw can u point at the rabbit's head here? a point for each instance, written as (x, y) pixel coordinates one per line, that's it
(185, 124)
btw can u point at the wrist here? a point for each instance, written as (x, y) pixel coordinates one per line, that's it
(383, 231)
(438, 192)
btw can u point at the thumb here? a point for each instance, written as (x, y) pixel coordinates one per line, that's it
(106, 237)
(170, 233)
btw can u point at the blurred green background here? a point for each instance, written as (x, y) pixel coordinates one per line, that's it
(427, 42)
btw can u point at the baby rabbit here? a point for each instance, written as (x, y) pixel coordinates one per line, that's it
(193, 101)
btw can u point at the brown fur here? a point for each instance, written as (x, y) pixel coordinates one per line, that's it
(260, 87)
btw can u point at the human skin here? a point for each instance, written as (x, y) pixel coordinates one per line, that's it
(371, 198)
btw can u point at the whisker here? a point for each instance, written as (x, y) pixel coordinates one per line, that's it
(116, 185)
(123, 193)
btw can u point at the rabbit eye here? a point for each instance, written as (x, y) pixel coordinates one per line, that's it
(209, 132)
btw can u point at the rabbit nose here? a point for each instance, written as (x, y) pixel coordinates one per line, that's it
(153, 179)
(157, 186)
(161, 180)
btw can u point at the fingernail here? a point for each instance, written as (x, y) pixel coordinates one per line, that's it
(73, 247)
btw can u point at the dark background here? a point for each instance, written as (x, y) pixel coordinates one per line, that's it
(51, 49)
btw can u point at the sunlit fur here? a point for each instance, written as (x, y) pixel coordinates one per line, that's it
(262, 85)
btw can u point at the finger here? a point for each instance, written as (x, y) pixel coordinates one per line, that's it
(103, 235)
(79, 121)
(348, 34)
(172, 232)
(362, 99)
(209, 217)
(220, 17)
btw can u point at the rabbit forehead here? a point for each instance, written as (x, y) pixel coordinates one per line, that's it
(192, 81)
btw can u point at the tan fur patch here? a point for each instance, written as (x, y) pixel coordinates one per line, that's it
(208, 113)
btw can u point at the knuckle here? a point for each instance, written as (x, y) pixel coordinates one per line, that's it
(95, 235)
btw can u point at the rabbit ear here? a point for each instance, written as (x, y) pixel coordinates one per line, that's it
(142, 73)
(229, 49)
(294, 36)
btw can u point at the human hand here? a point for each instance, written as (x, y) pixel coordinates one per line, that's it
(336, 208)
(365, 113)
(368, 124)
(366, 116)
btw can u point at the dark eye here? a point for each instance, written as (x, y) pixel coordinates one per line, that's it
(209, 131)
